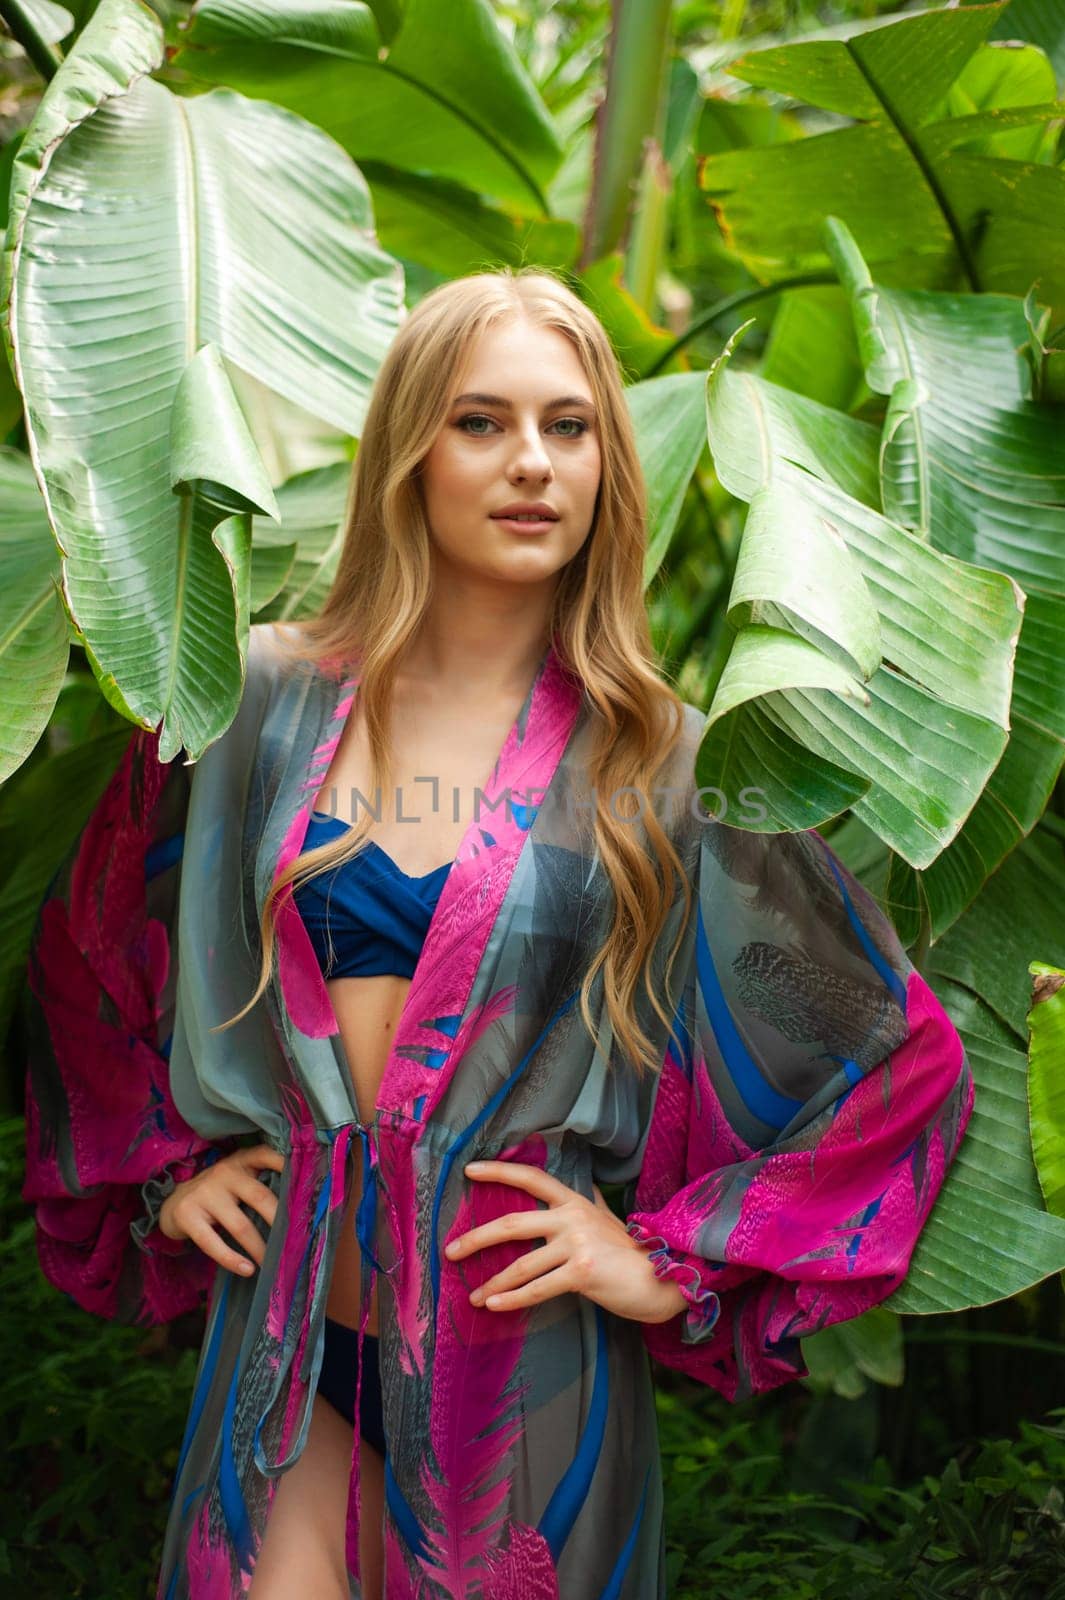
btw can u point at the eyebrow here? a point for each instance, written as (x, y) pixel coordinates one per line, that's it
(574, 401)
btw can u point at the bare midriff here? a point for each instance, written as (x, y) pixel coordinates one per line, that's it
(367, 1011)
(459, 746)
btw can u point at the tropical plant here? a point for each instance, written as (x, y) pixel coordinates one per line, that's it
(833, 272)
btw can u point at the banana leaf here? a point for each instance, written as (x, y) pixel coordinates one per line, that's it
(923, 200)
(973, 463)
(989, 1235)
(453, 101)
(868, 670)
(1046, 1082)
(34, 640)
(219, 229)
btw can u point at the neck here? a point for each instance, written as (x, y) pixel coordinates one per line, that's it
(485, 651)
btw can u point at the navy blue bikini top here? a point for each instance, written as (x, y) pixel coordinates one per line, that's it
(377, 914)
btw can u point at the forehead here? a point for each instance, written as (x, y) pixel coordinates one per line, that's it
(518, 360)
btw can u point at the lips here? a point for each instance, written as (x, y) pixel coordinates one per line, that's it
(526, 526)
(535, 510)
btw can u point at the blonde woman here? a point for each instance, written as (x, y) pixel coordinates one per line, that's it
(347, 1025)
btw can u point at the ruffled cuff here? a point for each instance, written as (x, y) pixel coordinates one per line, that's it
(685, 1269)
(145, 1230)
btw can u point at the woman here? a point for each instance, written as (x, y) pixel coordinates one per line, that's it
(547, 957)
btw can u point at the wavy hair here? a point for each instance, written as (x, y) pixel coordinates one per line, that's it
(599, 626)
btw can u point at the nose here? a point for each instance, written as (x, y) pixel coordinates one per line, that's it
(530, 457)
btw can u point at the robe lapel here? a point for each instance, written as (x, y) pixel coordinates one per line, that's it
(424, 1054)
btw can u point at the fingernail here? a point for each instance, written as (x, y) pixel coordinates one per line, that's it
(246, 1267)
(476, 1296)
(452, 1248)
(475, 1166)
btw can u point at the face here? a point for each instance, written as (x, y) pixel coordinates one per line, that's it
(509, 441)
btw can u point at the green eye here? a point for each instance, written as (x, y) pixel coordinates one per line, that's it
(481, 433)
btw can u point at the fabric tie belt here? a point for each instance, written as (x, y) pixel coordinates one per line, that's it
(307, 1338)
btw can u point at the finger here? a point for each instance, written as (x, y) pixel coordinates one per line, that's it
(264, 1155)
(531, 1265)
(228, 1215)
(532, 1179)
(533, 1294)
(515, 1225)
(260, 1198)
(202, 1234)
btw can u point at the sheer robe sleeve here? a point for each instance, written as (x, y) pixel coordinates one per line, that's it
(811, 1101)
(105, 1141)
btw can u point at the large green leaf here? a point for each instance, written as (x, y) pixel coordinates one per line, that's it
(638, 342)
(34, 643)
(998, 89)
(869, 670)
(1046, 1082)
(289, 438)
(444, 225)
(52, 22)
(219, 228)
(812, 350)
(10, 399)
(1016, 915)
(451, 100)
(922, 198)
(974, 464)
(988, 1235)
(42, 811)
(1042, 21)
(311, 506)
(908, 63)
(669, 416)
(841, 1358)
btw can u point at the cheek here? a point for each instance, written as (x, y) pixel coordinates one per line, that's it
(591, 471)
(437, 470)
(449, 470)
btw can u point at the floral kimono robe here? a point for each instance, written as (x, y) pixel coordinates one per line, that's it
(780, 1166)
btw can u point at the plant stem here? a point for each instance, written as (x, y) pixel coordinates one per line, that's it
(733, 302)
(25, 32)
(963, 244)
(733, 19)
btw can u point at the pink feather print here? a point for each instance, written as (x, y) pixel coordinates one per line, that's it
(476, 1411)
(302, 1175)
(302, 984)
(401, 1583)
(210, 1569)
(523, 1571)
(397, 1180)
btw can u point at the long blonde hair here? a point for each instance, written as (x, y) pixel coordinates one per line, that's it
(599, 625)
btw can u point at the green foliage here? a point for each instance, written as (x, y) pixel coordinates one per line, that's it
(991, 1526)
(93, 1416)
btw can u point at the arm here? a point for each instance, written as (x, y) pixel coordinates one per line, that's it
(805, 1118)
(105, 1141)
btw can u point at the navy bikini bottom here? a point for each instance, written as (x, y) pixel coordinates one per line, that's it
(336, 1382)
